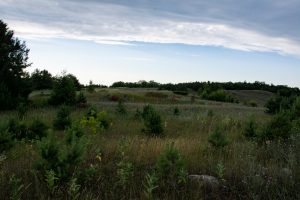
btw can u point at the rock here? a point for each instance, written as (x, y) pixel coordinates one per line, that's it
(205, 180)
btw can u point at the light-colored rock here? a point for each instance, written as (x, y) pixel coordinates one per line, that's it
(205, 179)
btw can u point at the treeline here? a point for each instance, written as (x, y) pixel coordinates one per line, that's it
(213, 86)
(43, 79)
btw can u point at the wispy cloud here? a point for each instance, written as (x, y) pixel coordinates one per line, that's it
(269, 26)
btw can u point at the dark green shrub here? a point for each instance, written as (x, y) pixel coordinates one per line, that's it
(184, 93)
(279, 103)
(152, 122)
(147, 110)
(81, 99)
(278, 128)
(138, 114)
(170, 167)
(61, 158)
(37, 130)
(64, 91)
(22, 109)
(17, 129)
(218, 138)
(176, 111)
(6, 140)
(121, 108)
(250, 129)
(251, 103)
(218, 95)
(63, 119)
(92, 112)
(295, 110)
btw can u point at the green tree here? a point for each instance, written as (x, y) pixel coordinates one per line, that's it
(64, 91)
(14, 81)
(41, 79)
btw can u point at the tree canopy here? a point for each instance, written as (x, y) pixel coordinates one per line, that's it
(14, 84)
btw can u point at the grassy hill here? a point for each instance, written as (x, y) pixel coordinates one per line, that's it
(120, 161)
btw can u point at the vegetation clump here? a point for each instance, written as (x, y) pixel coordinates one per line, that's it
(64, 91)
(170, 168)
(152, 121)
(96, 121)
(63, 118)
(218, 138)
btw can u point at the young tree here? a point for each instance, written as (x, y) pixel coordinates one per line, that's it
(64, 91)
(14, 81)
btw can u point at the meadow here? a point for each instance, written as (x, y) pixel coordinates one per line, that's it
(122, 162)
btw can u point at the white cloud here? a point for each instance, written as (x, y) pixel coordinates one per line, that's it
(119, 25)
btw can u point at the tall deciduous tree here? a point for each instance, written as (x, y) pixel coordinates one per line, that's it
(14, 85)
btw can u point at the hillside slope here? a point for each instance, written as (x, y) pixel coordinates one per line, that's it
(258, 96)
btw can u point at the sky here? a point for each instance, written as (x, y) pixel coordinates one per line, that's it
(162, 40)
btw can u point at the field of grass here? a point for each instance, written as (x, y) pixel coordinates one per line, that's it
(244, 169)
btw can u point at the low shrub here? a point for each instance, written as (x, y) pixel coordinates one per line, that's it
(250, 129)
(170, 167)
(62, 158)
(176, 111)
(37, 130)
(17, 129)
(63, 119)
(278, 128)
(121, 108)
(218, 95)
(217, 138)
(6, 140)
(81, 99)
(96, 121)
(152, 122)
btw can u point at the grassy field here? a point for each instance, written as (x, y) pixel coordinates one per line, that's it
(122, 155)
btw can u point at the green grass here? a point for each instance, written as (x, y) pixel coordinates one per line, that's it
(251, 171)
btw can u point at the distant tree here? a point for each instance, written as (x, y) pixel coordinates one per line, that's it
(64, 91)
(75, 80)
(41, 80)
(91, 87)
(14, 81)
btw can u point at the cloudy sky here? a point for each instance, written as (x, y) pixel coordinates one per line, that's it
(161, 40)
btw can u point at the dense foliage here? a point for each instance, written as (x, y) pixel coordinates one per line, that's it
(14, 81)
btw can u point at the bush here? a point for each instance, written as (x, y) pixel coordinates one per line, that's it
(176, 111)
(96, 121)
(61, 158)
(217, 138)
(17, 129)
(64, 91)
(6, 140)
(63, 119)
(121, 108)
(152, 122)
(22, 109)
(81, 99)
(278, 128)
(37, 130)
(218, 95)
(170, 167)
(250, 129)
(295, 110)
(277, 104)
